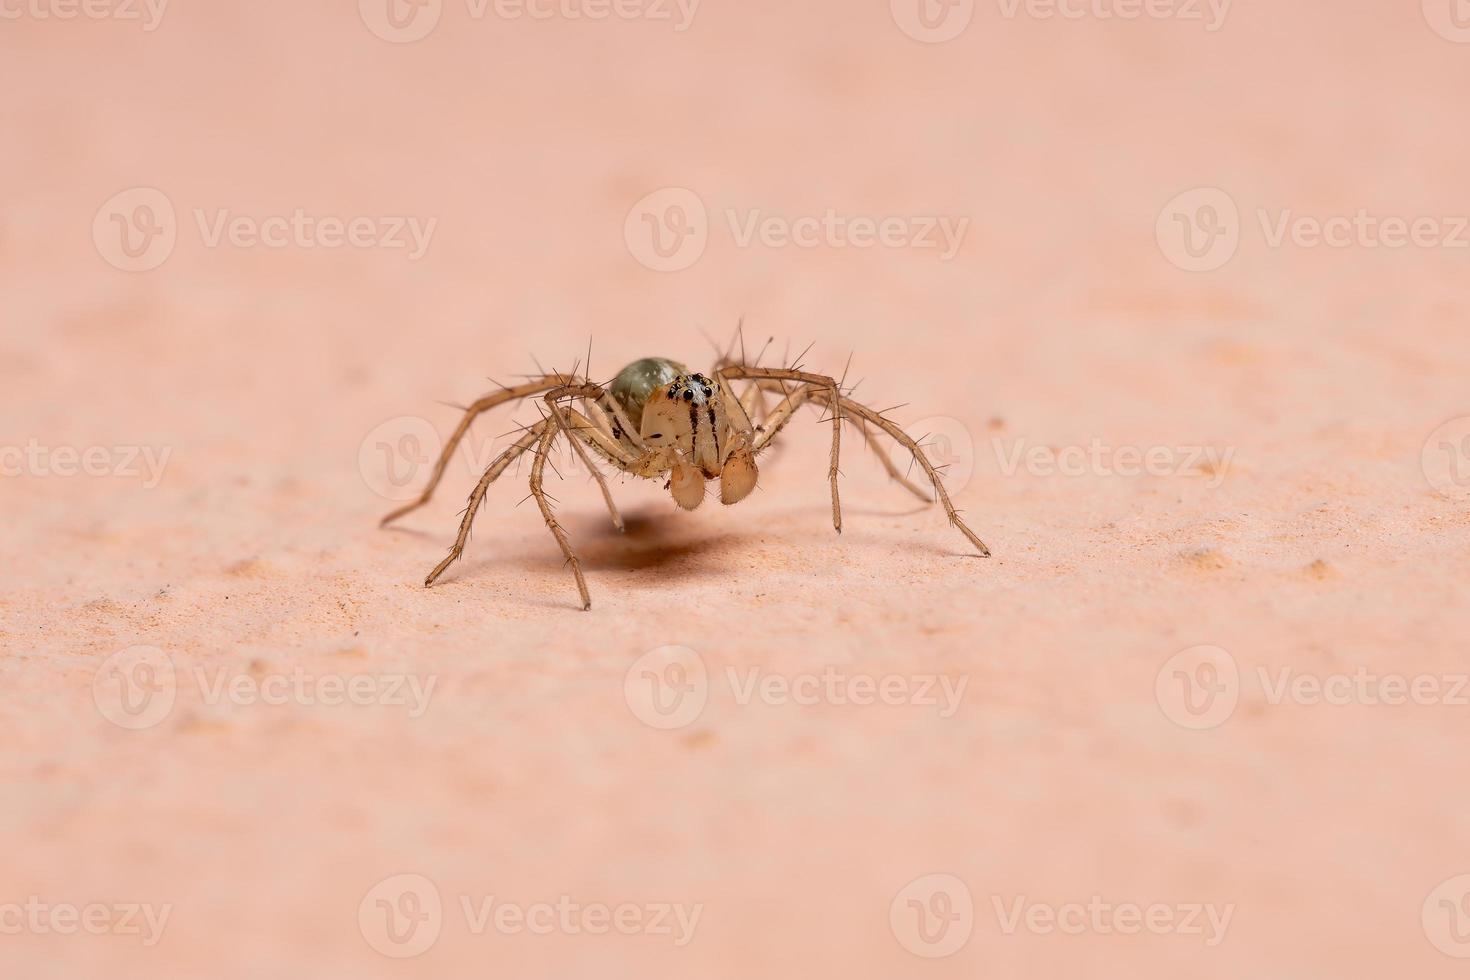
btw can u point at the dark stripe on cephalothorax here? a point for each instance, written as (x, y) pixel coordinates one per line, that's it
(694, 431)
(714, 432)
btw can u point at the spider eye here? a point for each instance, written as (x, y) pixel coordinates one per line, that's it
(657, 435)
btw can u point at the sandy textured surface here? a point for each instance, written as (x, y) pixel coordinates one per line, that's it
(176, 611)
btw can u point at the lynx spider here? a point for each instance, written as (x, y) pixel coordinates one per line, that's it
(655, 420)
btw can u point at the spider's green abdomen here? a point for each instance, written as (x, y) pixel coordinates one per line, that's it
(638, 380)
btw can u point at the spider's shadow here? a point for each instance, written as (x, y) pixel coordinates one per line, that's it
(655, 539)
(651, 539)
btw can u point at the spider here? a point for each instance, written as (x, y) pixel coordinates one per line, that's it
(657, 420)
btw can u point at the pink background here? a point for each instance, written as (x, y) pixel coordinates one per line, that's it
(266, 373)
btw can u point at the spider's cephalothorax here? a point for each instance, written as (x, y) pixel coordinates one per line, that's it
(657, 418)
(684, 423)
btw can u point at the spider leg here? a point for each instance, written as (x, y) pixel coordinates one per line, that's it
(832, 471)
(888, 464)
(494, 470)
(478, 407)
(782, 414)
(739, 417)
(625, 448)
(593, 435)
(753, 403)
(598, 418)
(753, 399)
(886, 460)
(877, 447)
(876, 419)
(577, 427)
(909, 443)
(608, 416)
(537, 472)
(622, 453)
(582, 430)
